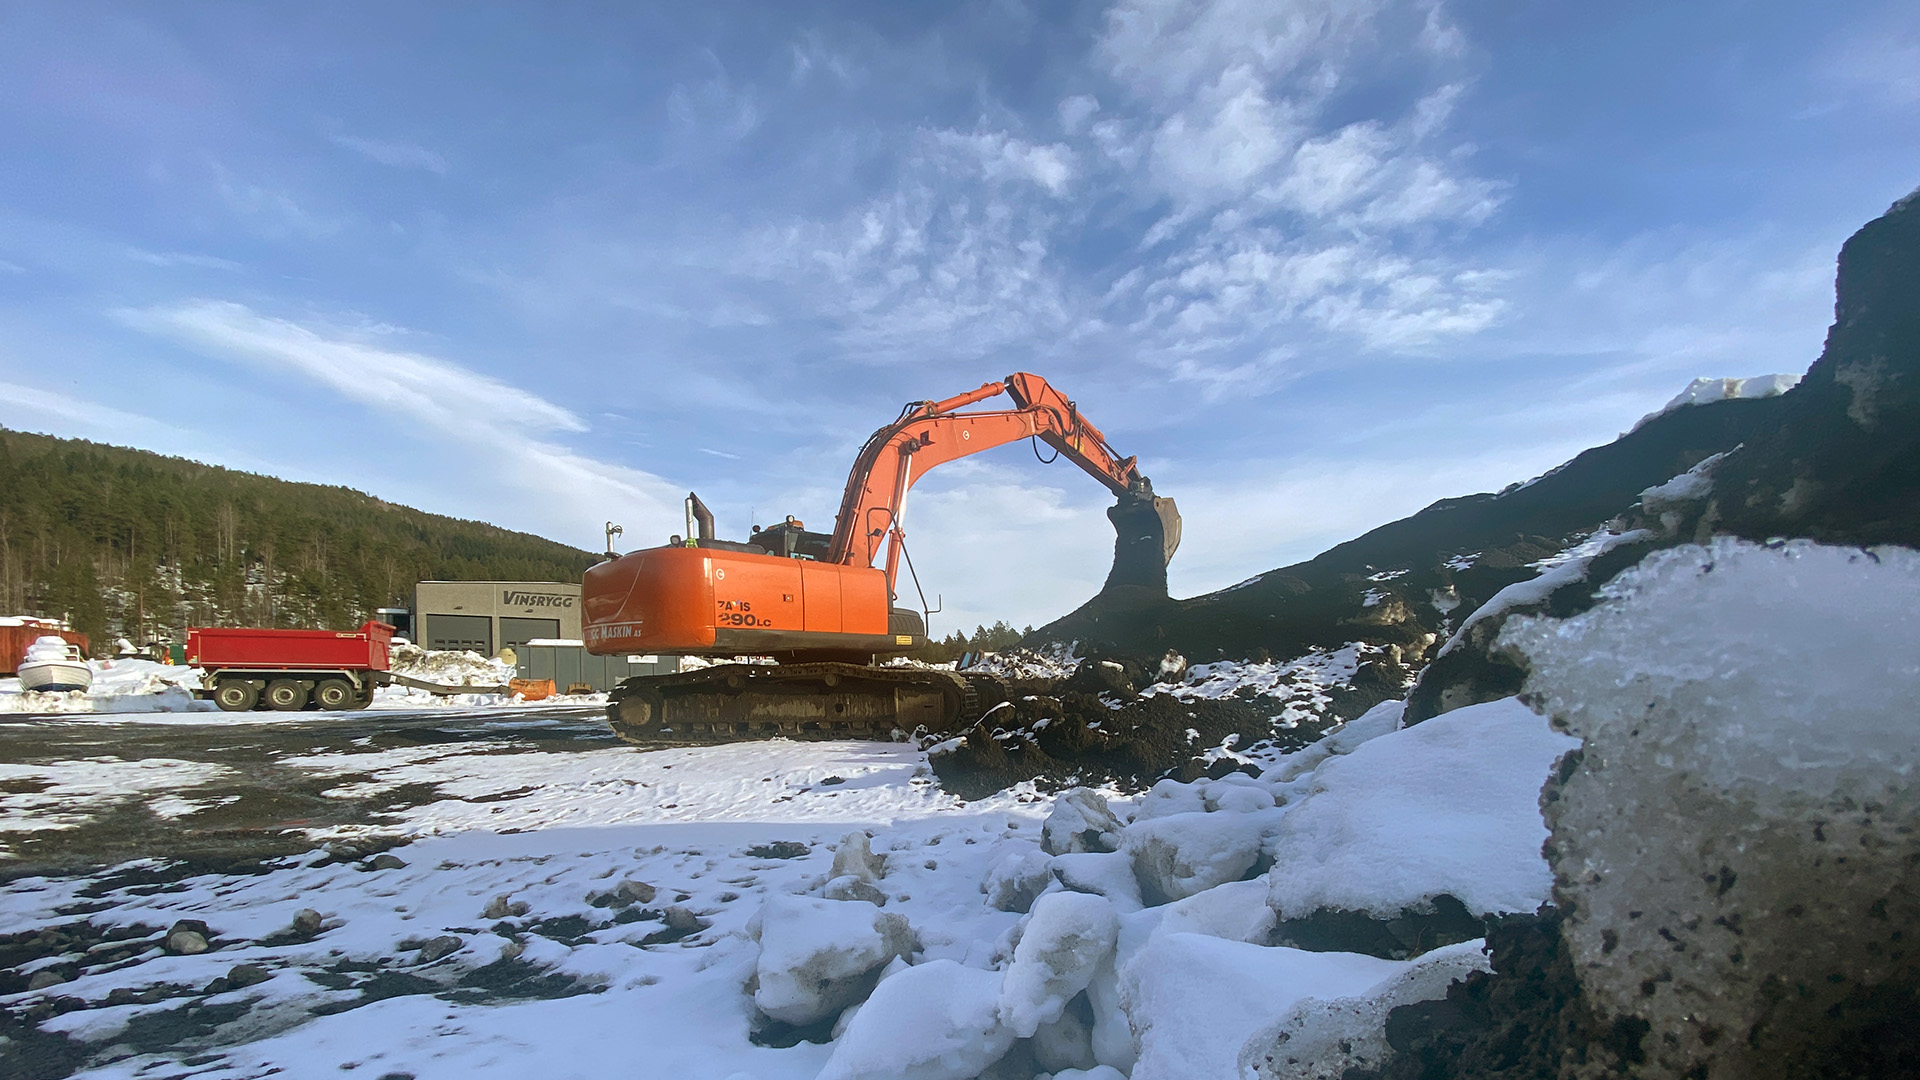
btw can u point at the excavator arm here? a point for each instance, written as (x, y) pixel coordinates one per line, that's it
(931, 433)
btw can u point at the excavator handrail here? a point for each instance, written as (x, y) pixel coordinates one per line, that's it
(936, 432)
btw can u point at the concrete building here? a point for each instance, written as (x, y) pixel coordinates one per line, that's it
(487, 616)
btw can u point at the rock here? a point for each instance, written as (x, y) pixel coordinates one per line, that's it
(244, 975)
(386, 861)
(306, 922)
(1065, 941)
(1017, 880)
(44, 978)
(636, 892)
(442, 946)
(519, 908)
(1080, 821)
(1177, 856)
(819, 956)
(1734, 844)
(855, 857)
(681, 920)
(852, 888)
(186, 943)
(497, 908)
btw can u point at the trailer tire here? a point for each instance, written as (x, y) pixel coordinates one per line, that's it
(333, 694)
(235, 695)
(286, 695)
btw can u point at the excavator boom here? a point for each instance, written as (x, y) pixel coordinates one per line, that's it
(818, 603)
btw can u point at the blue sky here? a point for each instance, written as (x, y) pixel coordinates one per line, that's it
(1317, 264)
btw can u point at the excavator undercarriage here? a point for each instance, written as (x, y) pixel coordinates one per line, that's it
(732, 702)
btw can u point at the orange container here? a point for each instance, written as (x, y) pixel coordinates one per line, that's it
(531, 689)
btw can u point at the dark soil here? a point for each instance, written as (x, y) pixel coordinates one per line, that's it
(1092, 728)
(1528, 1021)
(1407, 935)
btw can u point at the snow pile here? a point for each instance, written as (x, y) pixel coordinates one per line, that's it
(681, 899)
(119, 686)
(1448, 806)
(449, 668)
(1744, 815)
(1146, 944)
(1708, 391)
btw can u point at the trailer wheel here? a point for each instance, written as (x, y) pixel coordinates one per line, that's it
(286, 695)
(334, 694)
(235, 695)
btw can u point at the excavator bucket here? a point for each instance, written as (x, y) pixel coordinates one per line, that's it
(1146, 532)
(1169, 516)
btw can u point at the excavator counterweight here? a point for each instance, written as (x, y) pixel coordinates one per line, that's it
(822, 604)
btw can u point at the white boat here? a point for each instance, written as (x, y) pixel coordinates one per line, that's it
(53, 664)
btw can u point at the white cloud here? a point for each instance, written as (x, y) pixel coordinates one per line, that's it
(999, 157)
(398, 154)
(1074, 112)
(505, 431)
(170, 259)
(270, 212)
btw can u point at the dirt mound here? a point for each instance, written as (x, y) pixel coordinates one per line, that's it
(1130, 720)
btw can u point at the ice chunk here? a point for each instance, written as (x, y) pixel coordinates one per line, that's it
(1323, 1039)
(937, 1021)
(1372, 724)
(855, 858)
(1194, 1000)
(1238, 793)
(1066, 939)
(819, 956)
(1238, 911)
(1169, 797)
(1017, 880)
(1746, 789)
(1080, 821)
(1108, 874)
(1448, 806)
(1177, 856)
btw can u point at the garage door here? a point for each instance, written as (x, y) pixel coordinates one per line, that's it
(517, 631)
(458, 632)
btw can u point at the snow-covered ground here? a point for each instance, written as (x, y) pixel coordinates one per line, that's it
(614, 910)
(143, 686)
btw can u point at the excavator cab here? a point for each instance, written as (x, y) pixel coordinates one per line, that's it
(791, 539)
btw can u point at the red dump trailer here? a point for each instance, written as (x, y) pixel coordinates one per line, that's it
(289, 670)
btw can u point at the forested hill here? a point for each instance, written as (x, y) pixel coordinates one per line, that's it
(130, 542)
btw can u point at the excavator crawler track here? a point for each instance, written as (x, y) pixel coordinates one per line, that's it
(819, 701)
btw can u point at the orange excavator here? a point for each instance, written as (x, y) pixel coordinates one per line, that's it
(822, 606)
